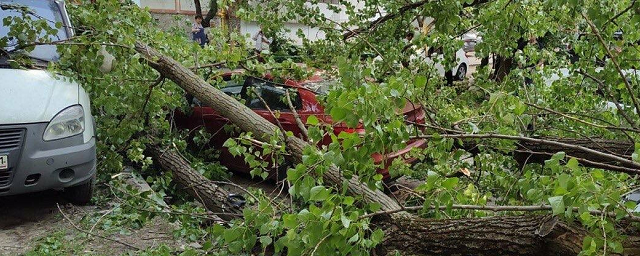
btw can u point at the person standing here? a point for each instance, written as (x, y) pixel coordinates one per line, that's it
(197, 31)
(260, 38)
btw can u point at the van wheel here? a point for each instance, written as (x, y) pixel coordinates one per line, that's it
(462, 72)
(80, 194)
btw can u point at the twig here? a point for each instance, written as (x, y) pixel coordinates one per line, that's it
(588, 162)
(220, 63)
(383, 19)
(615, 62)
(99, 219)
(303, 129)
(620, 13)
(534, 140)
(318, 245)
(97, 235)
(271, 112)
(159, 80)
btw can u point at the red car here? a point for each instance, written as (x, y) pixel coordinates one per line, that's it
(305, 103)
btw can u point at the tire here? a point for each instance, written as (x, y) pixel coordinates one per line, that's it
(80, 194)
(461, 73)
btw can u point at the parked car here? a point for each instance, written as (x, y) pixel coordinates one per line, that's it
(471, 39)
(459, 71)
(303, 96)
(47, 132)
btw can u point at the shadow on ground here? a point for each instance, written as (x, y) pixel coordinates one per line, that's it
(24, 209)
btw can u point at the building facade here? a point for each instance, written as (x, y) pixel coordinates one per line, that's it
(170, 13)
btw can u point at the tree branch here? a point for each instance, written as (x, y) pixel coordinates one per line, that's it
(540, 141)
(583, 121)
(615, 62)
(615, 101)
(93, 234)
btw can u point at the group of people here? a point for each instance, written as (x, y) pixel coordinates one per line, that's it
(199, 36)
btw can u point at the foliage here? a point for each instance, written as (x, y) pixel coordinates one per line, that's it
(133, 105)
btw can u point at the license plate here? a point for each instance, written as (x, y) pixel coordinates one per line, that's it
(4, 162)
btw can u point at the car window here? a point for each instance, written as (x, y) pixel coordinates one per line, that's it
(48, 10)
(273, 95)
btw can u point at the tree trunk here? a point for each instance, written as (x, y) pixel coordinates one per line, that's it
(410, 235)
(530, 152)
(503, 235)
(198, 7)
(214, 198)
(619, 148)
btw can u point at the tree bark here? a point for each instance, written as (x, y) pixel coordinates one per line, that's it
(503, 235)
(528, 152)
(198, 7)
(619, 148)
(213, 197)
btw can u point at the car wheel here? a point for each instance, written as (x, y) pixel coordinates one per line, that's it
(80, 194)
(462, 72)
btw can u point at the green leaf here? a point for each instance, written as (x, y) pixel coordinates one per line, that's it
(376, 236)
(345, 221)
(348, 200)
(558, 156)
(450, 183)
(265, 241)
(338, 113)
(557, 204)
(420, 81)
(312, 120)
(231, 235)
(290, 221)
(572, 164)
(354, 238)
(319, 193)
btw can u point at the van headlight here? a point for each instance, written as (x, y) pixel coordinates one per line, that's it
(67, 123)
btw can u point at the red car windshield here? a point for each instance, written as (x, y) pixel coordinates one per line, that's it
(248, 89)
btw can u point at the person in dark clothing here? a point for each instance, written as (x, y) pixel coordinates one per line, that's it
(197, 31)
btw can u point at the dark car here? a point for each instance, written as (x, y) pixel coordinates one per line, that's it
(303, 97)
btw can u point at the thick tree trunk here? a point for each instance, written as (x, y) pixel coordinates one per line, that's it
(198, 7)
(214, 198)
(505, 235)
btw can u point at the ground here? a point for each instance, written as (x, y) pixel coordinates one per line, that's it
(27, 220)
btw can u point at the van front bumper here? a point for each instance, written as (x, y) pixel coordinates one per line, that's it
(37, 165)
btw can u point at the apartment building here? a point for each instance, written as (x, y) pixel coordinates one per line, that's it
(167, 10)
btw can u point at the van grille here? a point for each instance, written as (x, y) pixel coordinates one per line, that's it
(5, 178)
(10, 139)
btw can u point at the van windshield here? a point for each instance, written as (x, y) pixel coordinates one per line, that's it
(39, 9)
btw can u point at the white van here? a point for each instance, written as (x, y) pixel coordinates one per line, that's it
(47, 136)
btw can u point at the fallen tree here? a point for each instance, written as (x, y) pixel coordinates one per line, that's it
(611, 155)
(525, 235)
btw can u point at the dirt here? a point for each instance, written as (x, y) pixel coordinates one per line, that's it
(26, 219)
